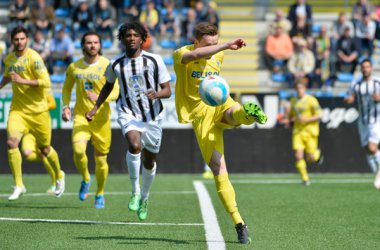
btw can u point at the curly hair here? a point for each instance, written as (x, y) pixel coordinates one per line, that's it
(136, 26)
(19, 29)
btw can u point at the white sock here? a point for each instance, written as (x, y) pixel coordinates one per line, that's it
(147, 181)
(371, 159)
(133, 163)
(377, 161)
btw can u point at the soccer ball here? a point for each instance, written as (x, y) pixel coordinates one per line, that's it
(214, 90)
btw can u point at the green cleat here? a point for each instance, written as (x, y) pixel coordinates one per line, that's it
(134, 202)
(143, 210)
(255, 111)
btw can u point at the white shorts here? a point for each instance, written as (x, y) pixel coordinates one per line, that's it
(369, 133)
(151, 132)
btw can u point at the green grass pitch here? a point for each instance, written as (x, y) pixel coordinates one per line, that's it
(338, 211)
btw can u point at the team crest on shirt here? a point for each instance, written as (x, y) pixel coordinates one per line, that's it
(99, 69)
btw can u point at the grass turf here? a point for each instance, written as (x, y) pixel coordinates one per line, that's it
(338, 211)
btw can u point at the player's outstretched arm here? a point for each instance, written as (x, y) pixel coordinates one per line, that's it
(104, 93)
(349, 99)
(208, 51)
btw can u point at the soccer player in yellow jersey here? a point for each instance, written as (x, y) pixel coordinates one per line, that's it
(25, 69)
(88, 75)
(30, 148)
(191, 64)
(305, 114)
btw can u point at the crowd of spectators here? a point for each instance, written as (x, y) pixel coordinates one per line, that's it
(318, 53)
(57, 25)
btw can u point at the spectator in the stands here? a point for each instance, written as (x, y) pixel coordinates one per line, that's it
(188, 26)
(201, 11)
(280, 19)
(18, 13)
(61, 48)
(365, 33)
(40, 44)
(42, 17)
(347, 52)
(212, 14)
(278, 48)
(340, 25)
(301, 29)
(322, 56)
(301, 64)
(65, 4)
(104, 16)
(151, 18)
(170, 23)
(127, 12)
(300, 8)
(83, 18)
(359, 10)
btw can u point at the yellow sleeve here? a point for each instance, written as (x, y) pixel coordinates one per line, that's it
(40, 72)
(292, 109)
(178, 54)
(51, 101)
(114, 93)
(316, 108)
(68, 85)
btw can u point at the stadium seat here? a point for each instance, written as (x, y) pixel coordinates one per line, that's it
(278, 77)
(316, 28)
(172, 77)
(345, 77)
(62, 12)
(284, 94)
(278, 63)
(59, 63)
(77, 44)
(365, 57)
(106, 44)
(168, 60)
(323, 94)
(57, 78)
(168, 44)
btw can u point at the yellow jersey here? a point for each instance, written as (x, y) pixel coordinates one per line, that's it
(307, 107)
(30, 66)
(189, 76)
(88, 77)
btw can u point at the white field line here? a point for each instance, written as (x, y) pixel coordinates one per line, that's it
(214, 236)
(296, 181)
(107, 193)
(98, 222)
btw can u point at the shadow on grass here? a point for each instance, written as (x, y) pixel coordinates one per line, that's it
(37, 206)
(131, 240)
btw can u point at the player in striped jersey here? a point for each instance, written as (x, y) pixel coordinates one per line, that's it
(26, 70)
(88, 75)
(305, 113)
(191, 64)
(140, 74)
(366, 92)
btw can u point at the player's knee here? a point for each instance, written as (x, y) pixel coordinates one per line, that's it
(79, 148)
(12, 143)
(148, 164)
(135, 147)
(45, 150)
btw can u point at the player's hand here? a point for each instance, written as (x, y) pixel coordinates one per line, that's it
(236, 44)
(16, 78)
(92, 96)
(66, 114)
(151, 94)
(349, 99)
(90, 114)
(302, 119)
(376, 97)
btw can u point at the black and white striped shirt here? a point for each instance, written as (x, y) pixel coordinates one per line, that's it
(135, 77)
(369, 109)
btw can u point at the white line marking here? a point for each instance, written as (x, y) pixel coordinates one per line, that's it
(99, 222)
(214, 236)
(107, 193)
(293, 181)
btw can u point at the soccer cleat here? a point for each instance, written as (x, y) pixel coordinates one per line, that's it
(320, 160)
(134, 202)
(242, 232)
(51, 190)
(306, 183)
(208, 174)
(255, 111)
(99, 201)
(142, 213)
(17, 193)
(60, 185)
(377, 181)
(83, 191)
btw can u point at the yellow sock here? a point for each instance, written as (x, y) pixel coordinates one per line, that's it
(226, 194)
(80, 160)
(241, 117)
(15, 160)
(33, 157)
(101, 172)
(53, 160)
(316, 155)
(49, 169)
(301, 167)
